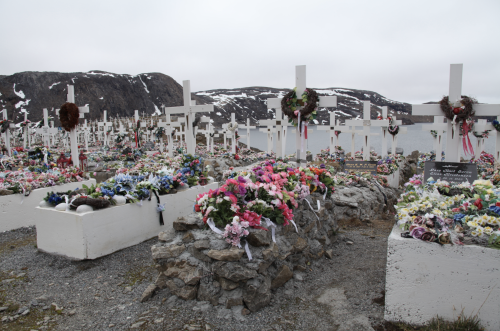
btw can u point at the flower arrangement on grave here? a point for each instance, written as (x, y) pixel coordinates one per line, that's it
(309, 103)
(387, 166)
(461, 112)
(192, 167)
(337, 134)
(450, 214)
(434, 133)
(151, 127)
(55, 198)
(69, 116)
(108, 132)
(21, 181)
(4, 125)
(485, 165)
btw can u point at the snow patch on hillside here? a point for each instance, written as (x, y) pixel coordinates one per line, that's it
(20, 93)
(51, 86)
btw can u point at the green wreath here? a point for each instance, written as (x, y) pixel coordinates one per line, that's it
(463, 109)
(309, 101)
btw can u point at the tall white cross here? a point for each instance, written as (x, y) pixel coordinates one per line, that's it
(439, 127)
(189, 109)
(454, 95)
(82, 111)
(331, 129)
(366, 122)
(26, 129)
(247, 136)
(105, 125)
(270, 130)
(44, 131)
(300, 83)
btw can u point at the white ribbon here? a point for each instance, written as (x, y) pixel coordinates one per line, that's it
(324, 195)
(67, 203)
(212, 226)
(454, 123)
(247, 249)
(294, 225)
(302, 138)
(271, 225)
(313, 209)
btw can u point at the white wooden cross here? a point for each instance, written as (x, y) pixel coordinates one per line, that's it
(26, 129)
(105, 125)
(232, 133)
(44, 131)
(53, 132)
(331, 129)
(270, 132)
(275, 103)
(189, 109)
(6, 135)
(440, 127)
(455, 94)
(480, 127)
(384, 132)
(206, 131)
(366, 122)
(300, 83)
(248, 127)
(180, 131)
(72, 134)
(86, 131)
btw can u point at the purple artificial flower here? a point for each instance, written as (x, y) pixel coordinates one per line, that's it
(241, 179)
(260, 172)
(322, 166)
(417, 232)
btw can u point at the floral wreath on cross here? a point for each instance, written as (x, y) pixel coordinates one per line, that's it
(159, 131)
(393, 129)
(69, 116)
(483, 134)
(4, 125)
(25, 123)
(232, 127)
(461, 112)
(120, 137)
(108, 132)
(309, 103)
(151, 127)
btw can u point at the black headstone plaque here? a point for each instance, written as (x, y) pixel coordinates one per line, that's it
(452, 172)
(361, 166)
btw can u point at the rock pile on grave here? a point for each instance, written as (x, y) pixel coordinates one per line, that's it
(195, 263)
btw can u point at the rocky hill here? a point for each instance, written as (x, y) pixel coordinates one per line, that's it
(121, 94)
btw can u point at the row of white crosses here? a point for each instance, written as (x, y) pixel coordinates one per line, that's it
(452, 133)
(189, 109)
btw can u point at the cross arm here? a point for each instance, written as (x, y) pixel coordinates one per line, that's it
(432, 109)
(328, 101)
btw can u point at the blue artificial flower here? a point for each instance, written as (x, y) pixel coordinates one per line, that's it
(458, 217)
(495, 209)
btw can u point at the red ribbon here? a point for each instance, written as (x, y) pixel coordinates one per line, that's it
(259, 227)
(466, 140)
(135, 133)
(306, 130)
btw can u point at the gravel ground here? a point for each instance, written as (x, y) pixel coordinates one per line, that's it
(53, 293)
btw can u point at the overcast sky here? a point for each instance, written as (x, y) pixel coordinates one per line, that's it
(400, 49)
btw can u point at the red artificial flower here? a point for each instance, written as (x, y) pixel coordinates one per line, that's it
(478, 204)
(197, 208)
(236, 157)
(497, 204)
